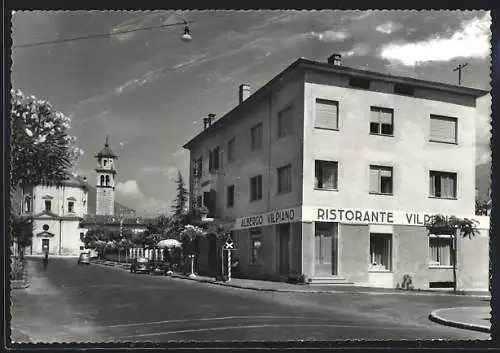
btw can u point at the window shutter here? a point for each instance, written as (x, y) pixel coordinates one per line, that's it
(385, 172)
(374, 115)
(386, 116)
(432, 184)
(443, 129)
(374, 180)
(326, 114)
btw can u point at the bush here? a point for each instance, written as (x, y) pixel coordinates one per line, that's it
(17, 270)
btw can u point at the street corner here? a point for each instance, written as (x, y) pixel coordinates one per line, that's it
(469, 318)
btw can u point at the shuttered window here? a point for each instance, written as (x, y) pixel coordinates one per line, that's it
(256, 137)
(381, 121)
(327, 114)
(441, 251)
(285, 179)
(443, 184)
(285, 122)
(326, 175)
(380, 180)
(443, 129)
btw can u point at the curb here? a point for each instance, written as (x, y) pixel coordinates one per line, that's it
(433, 316)
(226, 284)
(322, 291)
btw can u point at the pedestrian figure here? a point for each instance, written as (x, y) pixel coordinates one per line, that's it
(45, 260)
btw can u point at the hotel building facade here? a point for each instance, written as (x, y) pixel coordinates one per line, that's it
(331, 172)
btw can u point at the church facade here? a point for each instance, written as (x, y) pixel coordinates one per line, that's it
(57, 211)
(56, 214)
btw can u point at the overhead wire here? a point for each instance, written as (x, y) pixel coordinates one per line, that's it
(101, 35)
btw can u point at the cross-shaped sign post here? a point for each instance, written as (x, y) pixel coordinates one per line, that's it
(229, 247)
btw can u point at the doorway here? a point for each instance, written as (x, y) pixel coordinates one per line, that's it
(45, 245)
(326, 249)
(283, 231)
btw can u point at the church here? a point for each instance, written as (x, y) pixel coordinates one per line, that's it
(58, 210)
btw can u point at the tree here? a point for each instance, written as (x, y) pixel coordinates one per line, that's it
(455, 227)
(42, 149)
(179, 206)
(481, 207)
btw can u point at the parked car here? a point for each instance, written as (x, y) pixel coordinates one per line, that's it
(140, 264)
(159, 268)
(84, 258)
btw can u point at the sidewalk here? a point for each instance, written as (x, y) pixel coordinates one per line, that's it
(471, 318)
(270, 286)
(42, 314)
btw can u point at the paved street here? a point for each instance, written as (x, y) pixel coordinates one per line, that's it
(94, 303)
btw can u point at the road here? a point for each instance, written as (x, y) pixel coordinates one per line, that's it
(78, 303)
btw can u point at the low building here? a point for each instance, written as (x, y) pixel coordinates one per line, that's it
(331, 172)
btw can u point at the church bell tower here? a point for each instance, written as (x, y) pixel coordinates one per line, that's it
(105, 185)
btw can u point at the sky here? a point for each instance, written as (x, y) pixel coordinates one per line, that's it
(149, 90)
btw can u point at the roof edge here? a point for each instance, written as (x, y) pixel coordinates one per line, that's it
(312, 64)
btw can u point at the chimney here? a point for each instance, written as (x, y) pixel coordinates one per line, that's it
(244, 92)
(208, 121)
(335, 59)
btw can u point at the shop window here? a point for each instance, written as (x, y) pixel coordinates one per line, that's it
(285, 122)
(231, 149)
(380, 252)
(256, 137)
(285, 179)
(381, 121)
(48, 205)
(443, 184)
(230, 196)
(326, 175)
(381, 180)
(256, 245)
(440, 250)
(327, 114)
(256, 188)
(443, 129)
(71, 206)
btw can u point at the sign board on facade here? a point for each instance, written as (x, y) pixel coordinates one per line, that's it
(387, 217)
(286, 215)
(346, 216)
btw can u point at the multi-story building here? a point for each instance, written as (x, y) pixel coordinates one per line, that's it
(332, 172)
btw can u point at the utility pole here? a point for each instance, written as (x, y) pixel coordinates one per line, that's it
(459, 69)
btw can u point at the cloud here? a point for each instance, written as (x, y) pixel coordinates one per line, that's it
(359, 49)
(472, 40)
(330, 36)
(388, 27)
(191, 61)
(140, 81)
(168, 171)
(129, 188)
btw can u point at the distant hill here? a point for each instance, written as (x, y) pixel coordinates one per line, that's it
(91, 202)
(483, 180)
